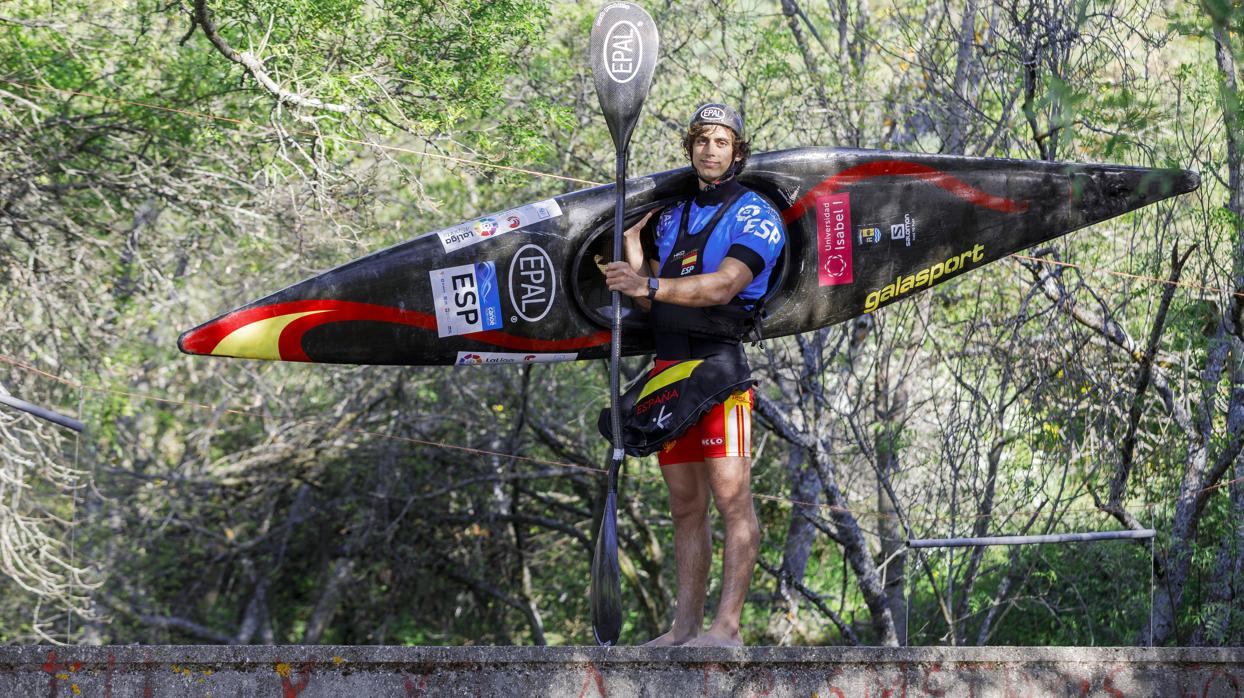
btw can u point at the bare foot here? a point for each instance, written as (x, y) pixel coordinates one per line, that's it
(715, 639)
(669, 639)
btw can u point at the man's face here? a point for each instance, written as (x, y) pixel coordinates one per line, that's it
(712, 152)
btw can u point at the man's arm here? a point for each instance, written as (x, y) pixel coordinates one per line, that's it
(633, 250)
(698, 291)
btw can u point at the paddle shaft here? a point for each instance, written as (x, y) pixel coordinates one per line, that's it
(615, 348)
(49, 415)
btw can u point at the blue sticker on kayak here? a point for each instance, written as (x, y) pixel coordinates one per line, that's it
(467, 299)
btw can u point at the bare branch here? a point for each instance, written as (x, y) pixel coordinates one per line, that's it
(255, 67)
(1143, 375)
(817, 600)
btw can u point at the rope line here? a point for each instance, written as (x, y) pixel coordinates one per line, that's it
(532, 459)
(1139, 277)
(310, 134)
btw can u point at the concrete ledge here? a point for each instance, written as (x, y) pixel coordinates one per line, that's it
(829, 672)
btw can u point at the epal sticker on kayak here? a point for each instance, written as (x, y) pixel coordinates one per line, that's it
(480, 358)
(533, 284)
(496, 224)
(467, 298)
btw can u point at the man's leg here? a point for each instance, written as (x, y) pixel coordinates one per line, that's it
(688, 489)
(730, 481)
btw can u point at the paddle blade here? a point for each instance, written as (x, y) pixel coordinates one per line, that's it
(624, 54)
(606, 593)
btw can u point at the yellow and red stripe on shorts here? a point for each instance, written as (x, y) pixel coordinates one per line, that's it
(725, 431)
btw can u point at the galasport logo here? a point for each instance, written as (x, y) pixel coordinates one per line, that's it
(533, 285)
(928, 276)
(714, 113)
(623, 51)
(659, 399)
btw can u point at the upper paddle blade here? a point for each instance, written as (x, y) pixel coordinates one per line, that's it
(606, 592)
(624, 55)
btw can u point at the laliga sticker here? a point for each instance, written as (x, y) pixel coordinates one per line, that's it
(485, 227)
(488, 227)
(481, 358)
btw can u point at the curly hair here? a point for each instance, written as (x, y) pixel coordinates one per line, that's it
(742, 149)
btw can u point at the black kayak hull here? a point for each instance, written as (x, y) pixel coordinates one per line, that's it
(864, 229)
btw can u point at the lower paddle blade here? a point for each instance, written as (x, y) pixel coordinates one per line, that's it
(606, 593)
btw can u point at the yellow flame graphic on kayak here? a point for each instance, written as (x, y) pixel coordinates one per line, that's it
(260, 339)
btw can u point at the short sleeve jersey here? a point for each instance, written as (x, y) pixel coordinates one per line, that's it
(751, 231)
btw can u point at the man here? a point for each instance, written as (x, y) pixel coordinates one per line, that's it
(703, 269)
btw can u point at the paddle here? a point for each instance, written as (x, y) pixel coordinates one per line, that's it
(624, 54)
(41, 413)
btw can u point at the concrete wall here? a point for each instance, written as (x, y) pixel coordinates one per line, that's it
(827, 672)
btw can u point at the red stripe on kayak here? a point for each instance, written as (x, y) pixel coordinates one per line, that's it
(205, 339)
(900, 168)
(343, 311)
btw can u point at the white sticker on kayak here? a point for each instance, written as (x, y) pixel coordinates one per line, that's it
(479, 358)
(496, 224)
(467, 298)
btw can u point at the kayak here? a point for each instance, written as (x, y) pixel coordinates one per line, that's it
(865, 228)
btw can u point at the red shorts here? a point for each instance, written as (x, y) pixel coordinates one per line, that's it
(724, 431)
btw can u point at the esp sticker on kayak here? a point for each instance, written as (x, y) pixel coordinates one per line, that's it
(467, 299)
(496, 224)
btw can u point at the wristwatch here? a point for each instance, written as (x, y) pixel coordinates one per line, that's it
(652, 288)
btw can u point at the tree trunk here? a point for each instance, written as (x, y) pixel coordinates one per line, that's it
(791, 11)
(800, 535)
(1169, 595)
(855, 547)
(889, 528)
(957, 137)
(339, 572)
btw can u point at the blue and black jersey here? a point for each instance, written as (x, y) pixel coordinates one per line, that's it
(693, 237)
(750, 231)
